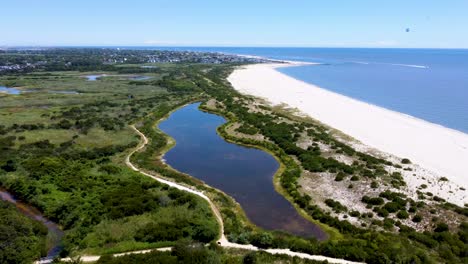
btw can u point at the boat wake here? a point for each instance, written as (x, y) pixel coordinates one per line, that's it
(410, 65)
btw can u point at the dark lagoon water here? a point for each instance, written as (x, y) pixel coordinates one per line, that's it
(431, 84)
(244, 173)
(7, 90)
(55, 234)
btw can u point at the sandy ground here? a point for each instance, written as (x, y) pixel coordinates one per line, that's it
(438, 150)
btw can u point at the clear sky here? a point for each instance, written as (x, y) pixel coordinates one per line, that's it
(325, 23)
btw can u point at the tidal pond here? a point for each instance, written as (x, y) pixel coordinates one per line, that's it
(8, 90)
(244, 173)
(94, 77)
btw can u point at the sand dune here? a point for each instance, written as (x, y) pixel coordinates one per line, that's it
(438, 149)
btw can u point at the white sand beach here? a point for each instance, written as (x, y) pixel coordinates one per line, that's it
(437, 149)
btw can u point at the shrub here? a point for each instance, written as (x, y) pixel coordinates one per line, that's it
(402, 214)
(391, 207)
(441, 227)
(335, 205)
(373, 201)
(381, 212)
(405, 161)
(354, 178)
(262, 240)
(417, 218)
(110, 169)
(354, 214)
(250, 258)
(388, 223)
(340, 176)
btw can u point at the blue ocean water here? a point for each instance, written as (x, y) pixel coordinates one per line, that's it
(431, 84)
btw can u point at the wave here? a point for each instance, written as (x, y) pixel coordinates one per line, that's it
(361, 62)
(393, 64)
(410, 65)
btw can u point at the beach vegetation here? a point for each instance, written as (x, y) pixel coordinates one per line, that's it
(405, 161)
(417, 218)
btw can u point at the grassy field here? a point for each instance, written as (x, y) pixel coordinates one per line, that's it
(63, 141)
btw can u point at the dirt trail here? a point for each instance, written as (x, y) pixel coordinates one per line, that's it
(222, 241)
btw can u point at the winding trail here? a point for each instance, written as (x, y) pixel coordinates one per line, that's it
(222, 241)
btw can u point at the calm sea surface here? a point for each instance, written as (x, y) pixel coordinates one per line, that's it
(431, 84)
(244, 173)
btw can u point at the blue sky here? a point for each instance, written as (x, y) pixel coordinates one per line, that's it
(326, 23)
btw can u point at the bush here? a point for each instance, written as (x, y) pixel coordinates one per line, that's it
(392, 207)
(354, 214)
(340, 176)
(417, 218)
(382, 212)
(110, 169)
(262, 240)
(250, 258)
(372, 201)
(405, 161)
(335, 205)
(402, 214)
(441, 227)
(388, 223)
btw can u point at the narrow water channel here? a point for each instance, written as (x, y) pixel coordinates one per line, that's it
(55, 234)
(244, 173)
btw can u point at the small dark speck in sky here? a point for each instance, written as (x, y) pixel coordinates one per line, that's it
(407, 30)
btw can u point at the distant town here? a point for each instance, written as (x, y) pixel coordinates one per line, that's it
(25, 60)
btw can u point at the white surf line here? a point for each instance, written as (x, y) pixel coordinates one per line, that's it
(222, 241)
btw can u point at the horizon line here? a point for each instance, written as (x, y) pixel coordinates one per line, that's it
(217, 46)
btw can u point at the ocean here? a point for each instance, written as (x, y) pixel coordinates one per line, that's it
(430, 84)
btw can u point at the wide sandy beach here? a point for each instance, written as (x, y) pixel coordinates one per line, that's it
(438, 149)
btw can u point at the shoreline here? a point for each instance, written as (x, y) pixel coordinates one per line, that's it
(441, 151)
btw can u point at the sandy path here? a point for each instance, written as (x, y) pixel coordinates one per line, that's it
(438, 149)
(222, 241)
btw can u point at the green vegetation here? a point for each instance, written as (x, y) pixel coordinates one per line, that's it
(247, 129)
(64, 153)
(336, 206)
(22, 240)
